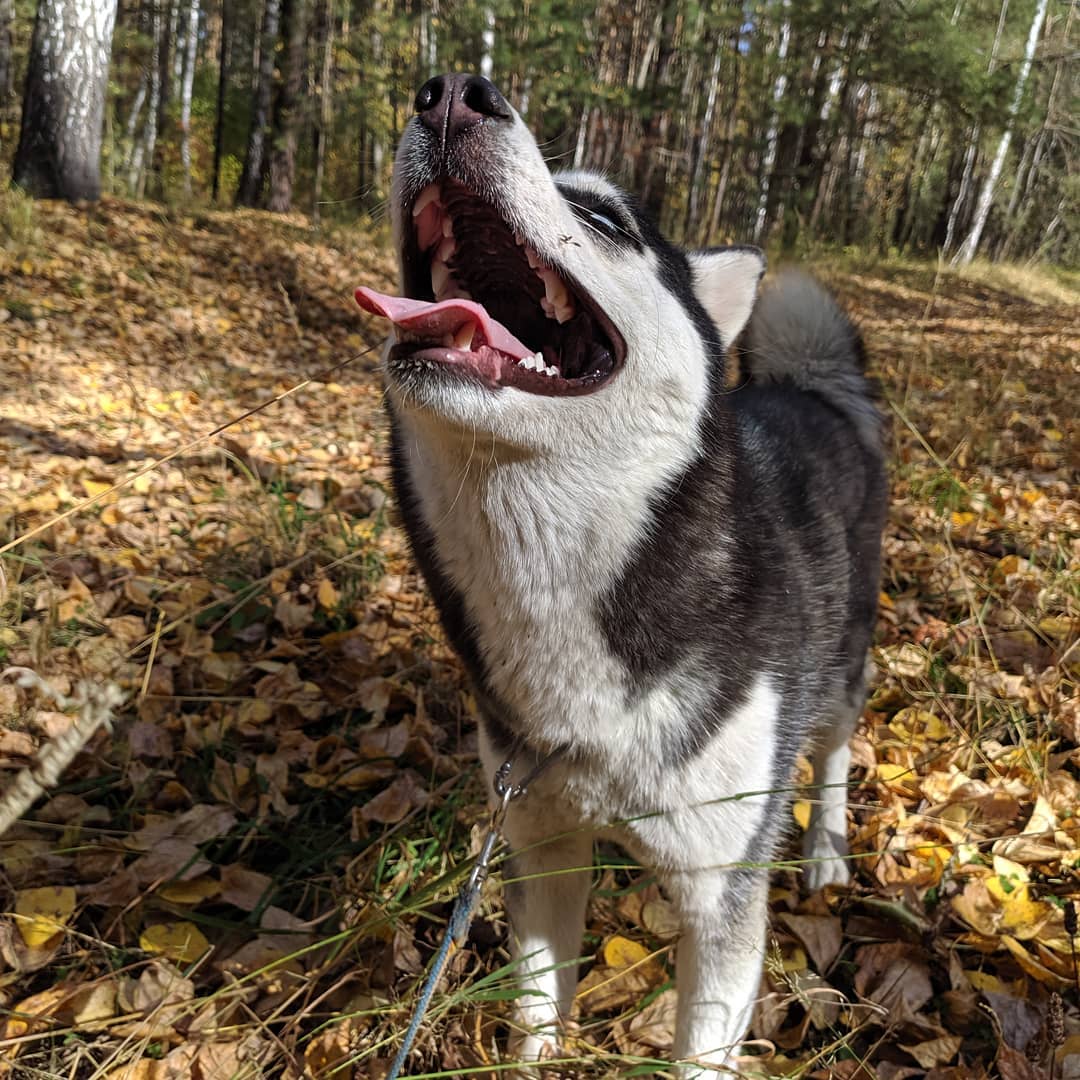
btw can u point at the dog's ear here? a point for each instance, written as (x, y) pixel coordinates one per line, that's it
(726, 281)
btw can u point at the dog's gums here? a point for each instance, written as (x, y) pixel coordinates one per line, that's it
(482, 303)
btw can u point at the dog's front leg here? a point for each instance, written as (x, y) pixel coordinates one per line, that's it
(720, 955)
(547, 888)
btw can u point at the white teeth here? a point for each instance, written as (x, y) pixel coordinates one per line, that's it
(556, 303)
(440, 275)
(536, 363)
(446, 249)
(447, 226)
(463, 338)
(429, 195)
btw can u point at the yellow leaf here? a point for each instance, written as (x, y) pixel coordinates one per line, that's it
(43, 913)
(911, 723)
(1032, 966)
(960, 518)
(795, 959)
(27, 267)
(327, 595)
(901, 776)
(180, 941)
(194, 891)
(94, 488)
(801, 811)
(620, 952)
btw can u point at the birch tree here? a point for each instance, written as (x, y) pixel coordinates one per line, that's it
(986, 196)
(191, 41)
(59, 152)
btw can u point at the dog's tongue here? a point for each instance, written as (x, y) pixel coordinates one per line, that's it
(434, 320)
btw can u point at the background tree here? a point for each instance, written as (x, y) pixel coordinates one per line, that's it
(823, 122)
(59, 152)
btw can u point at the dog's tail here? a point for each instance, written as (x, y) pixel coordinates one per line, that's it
(798, 335)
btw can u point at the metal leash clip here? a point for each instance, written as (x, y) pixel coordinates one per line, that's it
(457, 929)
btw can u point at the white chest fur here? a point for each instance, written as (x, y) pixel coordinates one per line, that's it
(532, 542)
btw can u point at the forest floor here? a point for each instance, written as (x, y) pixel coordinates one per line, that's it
(246, 873)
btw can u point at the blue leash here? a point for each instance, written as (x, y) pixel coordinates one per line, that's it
(461, 917)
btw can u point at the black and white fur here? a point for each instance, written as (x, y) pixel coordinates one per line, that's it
(672, 580)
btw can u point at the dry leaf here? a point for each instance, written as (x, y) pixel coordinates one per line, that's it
(42, 913)
(180, 941)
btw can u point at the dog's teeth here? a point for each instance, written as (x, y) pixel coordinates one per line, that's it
(429, 195)
(463, 338)
(446, 249)
(440, 275)
(551, 370)
(548, 307)
(564, 312)
(447, 225)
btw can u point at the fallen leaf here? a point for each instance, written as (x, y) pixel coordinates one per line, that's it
(44, 912)
(181, 941)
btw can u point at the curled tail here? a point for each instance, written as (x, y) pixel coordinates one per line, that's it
(798, 335)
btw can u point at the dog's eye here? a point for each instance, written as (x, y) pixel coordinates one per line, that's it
(605, 223)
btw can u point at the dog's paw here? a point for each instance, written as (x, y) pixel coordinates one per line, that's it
(822, 870)
(531, 1050)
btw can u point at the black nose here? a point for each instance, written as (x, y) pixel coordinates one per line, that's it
(449, 104)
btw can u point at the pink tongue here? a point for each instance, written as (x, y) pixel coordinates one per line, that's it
(426, 319)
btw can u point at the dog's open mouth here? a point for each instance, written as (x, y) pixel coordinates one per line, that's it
(480, 301)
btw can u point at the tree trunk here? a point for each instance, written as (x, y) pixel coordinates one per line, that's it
(701, 151)
(251, 179)
(59, 153)
(651, 192)
(986, 196)
(779, 86)
(191, 41)
(325, 23)
(143, 152)
(223, 82)
(286, 107)
(487, 41)
(964, 192)
(7, 65)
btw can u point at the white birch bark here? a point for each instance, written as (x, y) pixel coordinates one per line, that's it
(487, 40)
(191, 42)
(144, 147)
(986, 196)
(59, 152)
(779, 86)
(697, 179)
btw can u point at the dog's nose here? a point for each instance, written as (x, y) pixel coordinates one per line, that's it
(450, 104)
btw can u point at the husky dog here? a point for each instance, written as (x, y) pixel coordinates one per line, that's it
(667, 584)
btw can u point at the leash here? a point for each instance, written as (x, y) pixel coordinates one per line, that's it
(457, 928)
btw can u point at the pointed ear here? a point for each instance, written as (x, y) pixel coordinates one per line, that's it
(726, 281)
